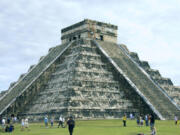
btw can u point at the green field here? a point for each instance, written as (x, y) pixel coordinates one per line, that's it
(99, 127)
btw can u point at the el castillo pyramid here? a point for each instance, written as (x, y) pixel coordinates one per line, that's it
(91, 76)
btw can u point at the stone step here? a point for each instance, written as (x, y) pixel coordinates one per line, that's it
(80, 110)
(71, 55)
(103, 72)
(83, 56)
(84, 48)
(170, 87)
(71, 75)
(83, 80)
(84, 84)
(92, 61)
(50, 91)
(91, 102)
(89, 54)
(90, 65)
(153, 73)
(162, 80)
(95, 75)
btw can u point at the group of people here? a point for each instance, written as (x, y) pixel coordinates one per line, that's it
(7, 124)
(143, 120)
(70, 122)
(149, 120)
(60, 121)
(24, 124)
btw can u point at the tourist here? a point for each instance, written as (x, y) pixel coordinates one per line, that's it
(8, 120)
(131, 116)
(11, 128)
(147, 120)
(26, 123)
(0, 120)
(141, 121)
(138, 120)
(22, 124)
(71, 125)
(7, 128)
(46, 121)
(15, 119)
(152, 121)
(3, 123)
(63, 120)
(176, 120)
(60, 122)
(124, 120)
(52, 121)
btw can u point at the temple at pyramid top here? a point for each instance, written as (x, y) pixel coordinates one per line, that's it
(90, 29)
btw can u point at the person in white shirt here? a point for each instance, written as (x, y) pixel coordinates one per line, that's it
(63, 120)
(60, 121)
(3, 123)
(15, 119)
(176, 120)
(131, 116)
(26, 123)
(22, 124)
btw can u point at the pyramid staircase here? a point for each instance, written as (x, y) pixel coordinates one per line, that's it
(165, 83)
(151, 92)
(28, 85)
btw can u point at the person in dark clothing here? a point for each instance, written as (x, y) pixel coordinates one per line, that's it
(8, 120)
(152, 121)
(71, 125)
(11, 128)
(0, 120)
(124, 120)
(7, 128)
(138, 120)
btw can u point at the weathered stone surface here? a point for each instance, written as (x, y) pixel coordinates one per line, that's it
(2, 93)
(165, 83)
(160, 102)
(91, 79)
(30, 68)
(16, 92)
(90, 29)
(84, 84)
(12, 84)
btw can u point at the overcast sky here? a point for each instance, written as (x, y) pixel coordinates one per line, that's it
(28, 28)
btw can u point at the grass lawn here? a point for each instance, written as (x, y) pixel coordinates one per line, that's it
(99, 127)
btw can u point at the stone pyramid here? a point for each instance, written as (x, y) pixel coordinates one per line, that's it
(90, 76)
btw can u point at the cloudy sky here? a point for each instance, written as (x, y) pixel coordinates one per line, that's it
(28, 28)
